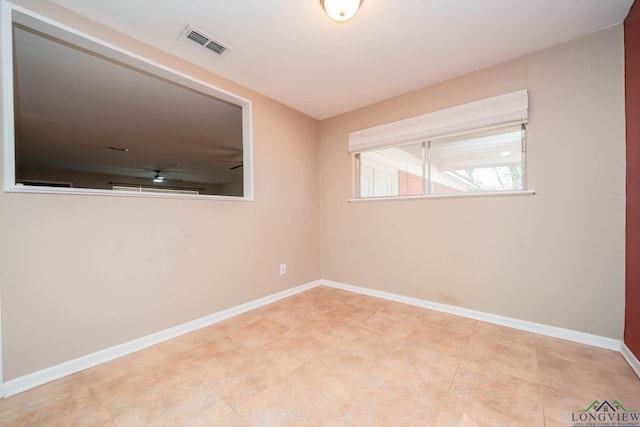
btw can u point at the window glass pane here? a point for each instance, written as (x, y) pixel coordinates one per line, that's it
(393, 171)
(484, 161)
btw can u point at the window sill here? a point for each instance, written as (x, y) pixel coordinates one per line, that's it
(447, 196)
(111, 193)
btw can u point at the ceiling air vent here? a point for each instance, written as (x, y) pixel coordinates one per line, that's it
(203, 39)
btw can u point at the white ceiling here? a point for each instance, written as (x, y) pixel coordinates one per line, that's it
(291, 51)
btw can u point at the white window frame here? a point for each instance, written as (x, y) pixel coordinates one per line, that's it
(142, 189)
(496, 112)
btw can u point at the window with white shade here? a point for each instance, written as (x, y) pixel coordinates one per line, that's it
(473, 148)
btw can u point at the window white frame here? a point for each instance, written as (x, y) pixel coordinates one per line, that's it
(491, 113)
(142, 189)
(10, 13)
(376, 160)
(510, 108)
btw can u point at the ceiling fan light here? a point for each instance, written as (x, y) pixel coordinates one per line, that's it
(158, 179)
(341, 10)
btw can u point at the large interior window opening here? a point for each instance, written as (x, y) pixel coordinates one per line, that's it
(101, 120)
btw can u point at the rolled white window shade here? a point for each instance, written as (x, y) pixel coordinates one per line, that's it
(503, 109)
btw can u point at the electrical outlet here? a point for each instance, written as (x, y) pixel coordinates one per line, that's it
(283, 269)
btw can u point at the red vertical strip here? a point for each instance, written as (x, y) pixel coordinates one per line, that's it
(632, 108)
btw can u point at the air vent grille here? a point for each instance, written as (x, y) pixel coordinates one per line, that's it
(204, 40)
(197, 37)
(216, 47)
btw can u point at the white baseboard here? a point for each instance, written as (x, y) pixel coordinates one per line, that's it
(631, 359)
(538, 328)
(44, 376)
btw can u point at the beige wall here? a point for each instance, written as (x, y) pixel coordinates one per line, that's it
(82, 273)
(557, 257)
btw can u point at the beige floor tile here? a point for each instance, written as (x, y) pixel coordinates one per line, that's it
(498, 391)
(318, 308)
(388, 324)
(191, 404)
(398, 399)
(559, 405)
(447, 341)
(519, 360)
(279, 305)
(317, 304)
(81, 410)
(583, 355)
(367, 302)
(238, 322)
(140, 387)
(258, 333)
(462, 413)
(505, 336)
(351, 416)
(589, 379)
(372, 345)
(244, 375)
(326, 291)
(332, 332)
(351, 314)
(293, 348)
(299, 298)
(433, 368)
(337, 371)
(412, 311)
(28, 401)
(213, 354)
(219, 365)
(293, 402)
(232, 419)
(451, 323)
(133, 362)
(403, 313)
(291, 315)
(187, 341)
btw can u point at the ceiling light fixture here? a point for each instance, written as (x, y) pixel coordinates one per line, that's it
(158, 177)
(341, 10)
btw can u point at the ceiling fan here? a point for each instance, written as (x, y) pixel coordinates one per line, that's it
(159, 177)
(239, 165)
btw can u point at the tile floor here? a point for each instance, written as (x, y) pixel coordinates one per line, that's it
(328, 357)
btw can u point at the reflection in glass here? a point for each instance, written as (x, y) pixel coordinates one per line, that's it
(482, 161)
(396, 171)
(487, 161)
(84, 120)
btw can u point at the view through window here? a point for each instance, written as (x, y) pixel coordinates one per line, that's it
(482, 161)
